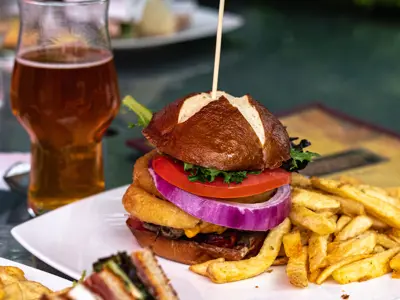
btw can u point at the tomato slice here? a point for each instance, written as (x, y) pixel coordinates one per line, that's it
(174, 174)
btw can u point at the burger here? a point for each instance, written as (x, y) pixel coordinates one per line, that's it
(217, 180)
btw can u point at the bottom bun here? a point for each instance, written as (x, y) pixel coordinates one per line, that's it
(181, 251)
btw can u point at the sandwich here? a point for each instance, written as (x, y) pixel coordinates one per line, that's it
(122, 277)
(217, 180)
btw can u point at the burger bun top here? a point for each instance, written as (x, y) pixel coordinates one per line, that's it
(227, 133)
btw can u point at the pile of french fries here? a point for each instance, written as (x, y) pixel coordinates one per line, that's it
(340, 229)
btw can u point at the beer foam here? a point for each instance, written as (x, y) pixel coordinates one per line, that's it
(105, 58)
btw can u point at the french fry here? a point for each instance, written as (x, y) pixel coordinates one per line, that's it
(372, 190)
(296, 269)
(367, 268)
(350, 207)
(327, 185)
(329, 270)
(315, 201)
(327, 214)
(317, 223)
(280, 261)
(342, 222)
(395, 263)
(301, 181)
(201, 269)
(305, 236)
(396, 275)
(334, 218)
(378, 224)
(384, 211)
(393, 192)
(222, 272)
(395, 232)
(292, 243)
(378, 208)
(349, 180)
(385, 241)
(378, 249)
(317, 250)
(312, 277)
(358, 225)
(332, 246)
(362, 244)
(379, 193)
(394, 238)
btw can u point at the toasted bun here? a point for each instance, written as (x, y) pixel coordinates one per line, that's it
(227, 134)
(181, 251)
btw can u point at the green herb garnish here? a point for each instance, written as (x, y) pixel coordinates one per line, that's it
(197, 173)
(299, 156)
(83, 276)
(143, 113)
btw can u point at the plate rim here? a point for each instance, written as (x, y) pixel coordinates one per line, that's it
(43, 258)
(16, 235)
(235, 22)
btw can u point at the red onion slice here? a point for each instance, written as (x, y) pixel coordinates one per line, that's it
(242, 216)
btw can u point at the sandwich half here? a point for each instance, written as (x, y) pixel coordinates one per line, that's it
(122, 277)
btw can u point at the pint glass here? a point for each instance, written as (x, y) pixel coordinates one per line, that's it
(64, 92)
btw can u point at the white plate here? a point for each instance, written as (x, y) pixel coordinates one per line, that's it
(71, 238)
(204, 24)
(53, 282)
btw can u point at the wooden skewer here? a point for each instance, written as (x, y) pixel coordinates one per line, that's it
(218, 48)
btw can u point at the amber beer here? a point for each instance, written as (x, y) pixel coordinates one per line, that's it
(65, 98)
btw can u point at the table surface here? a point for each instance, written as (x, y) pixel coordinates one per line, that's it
(283, 56)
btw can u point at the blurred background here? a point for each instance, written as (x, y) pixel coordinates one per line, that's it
(344, 54)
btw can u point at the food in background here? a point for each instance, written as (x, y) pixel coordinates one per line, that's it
(137, 277)
(158, 19)
(14, 285)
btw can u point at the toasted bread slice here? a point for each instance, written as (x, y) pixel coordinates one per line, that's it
(153, 276)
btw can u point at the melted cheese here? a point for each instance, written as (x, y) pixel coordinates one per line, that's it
(194, 104)
(204, 228)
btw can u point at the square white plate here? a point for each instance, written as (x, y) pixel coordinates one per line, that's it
(50, 281)
(204, 24)
(71, 238)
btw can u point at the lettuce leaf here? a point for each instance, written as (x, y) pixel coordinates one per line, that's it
(143, 113)
(197, 173)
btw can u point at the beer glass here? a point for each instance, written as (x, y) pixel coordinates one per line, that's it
(64, 92)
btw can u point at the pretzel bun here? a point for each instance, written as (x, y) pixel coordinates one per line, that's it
(226, 133)
(185, 252)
